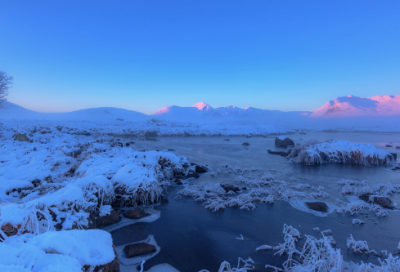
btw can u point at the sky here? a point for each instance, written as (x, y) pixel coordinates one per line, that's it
(285, 55)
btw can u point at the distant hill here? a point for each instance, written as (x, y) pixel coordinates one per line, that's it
(9, 111)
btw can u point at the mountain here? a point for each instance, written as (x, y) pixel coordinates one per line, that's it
(202, 112)
(9, 111)
(353, 106)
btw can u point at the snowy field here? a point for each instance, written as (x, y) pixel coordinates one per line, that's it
(57, 177)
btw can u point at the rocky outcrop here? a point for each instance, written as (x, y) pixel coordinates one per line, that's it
(245, 143)
(382, 201)
(192, 174)
(201, 169)
(139, 249)
(283, 143)
(135, 213)
(317, 206)
(229, 187)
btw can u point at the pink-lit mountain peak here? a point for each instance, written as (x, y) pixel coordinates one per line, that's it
(202, 106)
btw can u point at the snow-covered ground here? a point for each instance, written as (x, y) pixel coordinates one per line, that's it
(54, 180)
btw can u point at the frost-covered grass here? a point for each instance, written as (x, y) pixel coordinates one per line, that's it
(320, 254)
(314, 153)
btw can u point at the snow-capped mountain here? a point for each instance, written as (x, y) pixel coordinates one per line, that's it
(353, 106)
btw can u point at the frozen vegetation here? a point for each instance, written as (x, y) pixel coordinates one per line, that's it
(314, 153)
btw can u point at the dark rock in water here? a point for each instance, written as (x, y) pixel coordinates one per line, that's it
(136, 213)
(382, 201)
(394, 156)
(245, 143)
(139, 249)
(130, 143)
(396, 168)
(178, 181)
(117, 144)
(96, 222)
(283, 143)
(171, 150)
(227, 140)
(193, 163)
(112, 266)
(389, 145)
(229, 187)
(192, 174)
(317, 206)
(282, 153)
(201, 169)
(397, 147)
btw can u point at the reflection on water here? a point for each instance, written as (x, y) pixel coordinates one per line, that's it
(193, 238)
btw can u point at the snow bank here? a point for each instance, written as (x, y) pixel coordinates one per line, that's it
(56, 251)
(314, 153)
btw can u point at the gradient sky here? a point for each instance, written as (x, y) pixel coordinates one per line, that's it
(143, 55)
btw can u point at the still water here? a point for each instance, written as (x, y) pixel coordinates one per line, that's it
(193, 238)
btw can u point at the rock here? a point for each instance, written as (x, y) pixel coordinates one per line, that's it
(394, 156)
(229, 187)
(120, 119)
(136, 213)
(397, 147)
(245, 143)
(21, 138)
(171, 150)
(282, 153)
(192, 174)
(317, 206)
(139, 249)
(178, 181)
(396, 168)
(97, 222)
(151, 134)
(119, 212)
(389, 145)
(201, 169)
(127, 144)
(227, 140)
(112, 266)
(283, 143)
(382, 201)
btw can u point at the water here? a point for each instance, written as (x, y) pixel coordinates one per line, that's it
(193, 238)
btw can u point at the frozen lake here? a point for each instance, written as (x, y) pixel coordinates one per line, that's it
(193, 238)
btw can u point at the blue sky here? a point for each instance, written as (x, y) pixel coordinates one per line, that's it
(143, 55)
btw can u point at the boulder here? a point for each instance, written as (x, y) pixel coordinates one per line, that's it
(136, 213)
(283, 143)
(178, 181)
(21, 138)
(389, 145)
(229, 187)
(317, 206)
(382, 201)
(394, 156)
(227, 140)
(245, 143)
(96, 222)
(396, 168)
(139, 249)
(201, 169)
